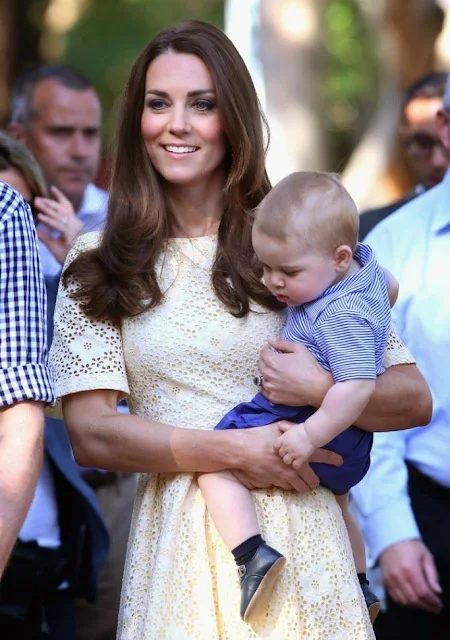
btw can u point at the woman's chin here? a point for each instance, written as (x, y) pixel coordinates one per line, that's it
(178, 179)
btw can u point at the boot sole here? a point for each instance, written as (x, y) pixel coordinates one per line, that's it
(374, 610)
(258, 604)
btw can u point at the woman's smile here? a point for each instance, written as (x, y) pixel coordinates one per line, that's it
(179, 150)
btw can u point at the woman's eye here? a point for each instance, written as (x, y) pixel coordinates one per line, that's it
(157, 105)
(203, 105)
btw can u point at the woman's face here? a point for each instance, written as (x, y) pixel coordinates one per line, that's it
(16, 180)
(180, 124)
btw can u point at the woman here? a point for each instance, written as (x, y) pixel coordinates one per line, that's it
(19, 169)
(168, 307)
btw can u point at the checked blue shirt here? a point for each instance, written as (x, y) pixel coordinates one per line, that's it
(24, 374)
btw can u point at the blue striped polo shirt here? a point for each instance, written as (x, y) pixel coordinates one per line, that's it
(347, 328)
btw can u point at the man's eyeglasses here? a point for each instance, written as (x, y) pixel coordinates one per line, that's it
(422, 145)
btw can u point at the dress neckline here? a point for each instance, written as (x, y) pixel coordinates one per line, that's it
(194, 238)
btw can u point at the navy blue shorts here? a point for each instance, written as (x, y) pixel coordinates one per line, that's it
(353, 444)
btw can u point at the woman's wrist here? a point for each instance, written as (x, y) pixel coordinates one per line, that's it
(233, 448)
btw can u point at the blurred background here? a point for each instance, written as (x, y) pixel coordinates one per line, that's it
(330, 73)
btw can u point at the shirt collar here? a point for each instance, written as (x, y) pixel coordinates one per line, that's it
(94, 200)
(441, 221)
(356, 282)
(93, 208)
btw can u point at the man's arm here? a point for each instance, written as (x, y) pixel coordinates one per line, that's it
(21, 444)
(25, 381)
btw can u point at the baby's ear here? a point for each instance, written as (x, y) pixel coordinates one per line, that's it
(343, 257)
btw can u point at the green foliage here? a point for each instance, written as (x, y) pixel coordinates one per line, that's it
(351, 74)
(110, 34)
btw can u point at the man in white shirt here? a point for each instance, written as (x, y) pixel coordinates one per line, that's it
(404, 501)
(57, 113)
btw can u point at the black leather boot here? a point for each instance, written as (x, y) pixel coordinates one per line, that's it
(258, 577)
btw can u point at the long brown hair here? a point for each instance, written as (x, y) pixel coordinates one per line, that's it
(118, 279)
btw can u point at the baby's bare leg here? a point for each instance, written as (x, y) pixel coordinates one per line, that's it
(354, 533)
(231, 507)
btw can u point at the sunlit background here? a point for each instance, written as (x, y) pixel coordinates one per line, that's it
(330, 73)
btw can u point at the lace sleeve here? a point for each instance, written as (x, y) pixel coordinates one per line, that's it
(396, 352)
(85, 354)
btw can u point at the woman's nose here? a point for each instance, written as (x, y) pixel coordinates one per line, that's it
(179, 121)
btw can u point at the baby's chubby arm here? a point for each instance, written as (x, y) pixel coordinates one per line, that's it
(341, 407)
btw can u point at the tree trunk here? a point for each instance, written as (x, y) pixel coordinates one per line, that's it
(20, 31)
(442, 48)
(292, 59)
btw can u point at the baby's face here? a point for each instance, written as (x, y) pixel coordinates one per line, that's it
(293, 273)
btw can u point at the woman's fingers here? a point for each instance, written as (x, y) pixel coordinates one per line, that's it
(47, 206)
(59, 212)
(266, 361)
(54, 222)
(326, 456)
(243, 479)
(285, 346)
(60, 197)
(284, 425)
(307, 475)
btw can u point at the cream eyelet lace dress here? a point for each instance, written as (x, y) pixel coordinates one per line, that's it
(186, 363)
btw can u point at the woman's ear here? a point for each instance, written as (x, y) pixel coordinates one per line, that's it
(343, 256)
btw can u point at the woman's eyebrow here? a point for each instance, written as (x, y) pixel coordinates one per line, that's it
(164, 94)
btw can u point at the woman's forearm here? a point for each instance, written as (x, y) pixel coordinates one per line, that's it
(122, 442)
(401, 400)
(104, 438)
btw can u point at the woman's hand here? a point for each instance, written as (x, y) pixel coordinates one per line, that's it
(262, 467)
(401, 399)
(59, 215)
(293, 377)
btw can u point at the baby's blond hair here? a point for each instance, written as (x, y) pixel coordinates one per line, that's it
(313, 205)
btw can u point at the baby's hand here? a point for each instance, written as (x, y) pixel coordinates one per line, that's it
(294, 446)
